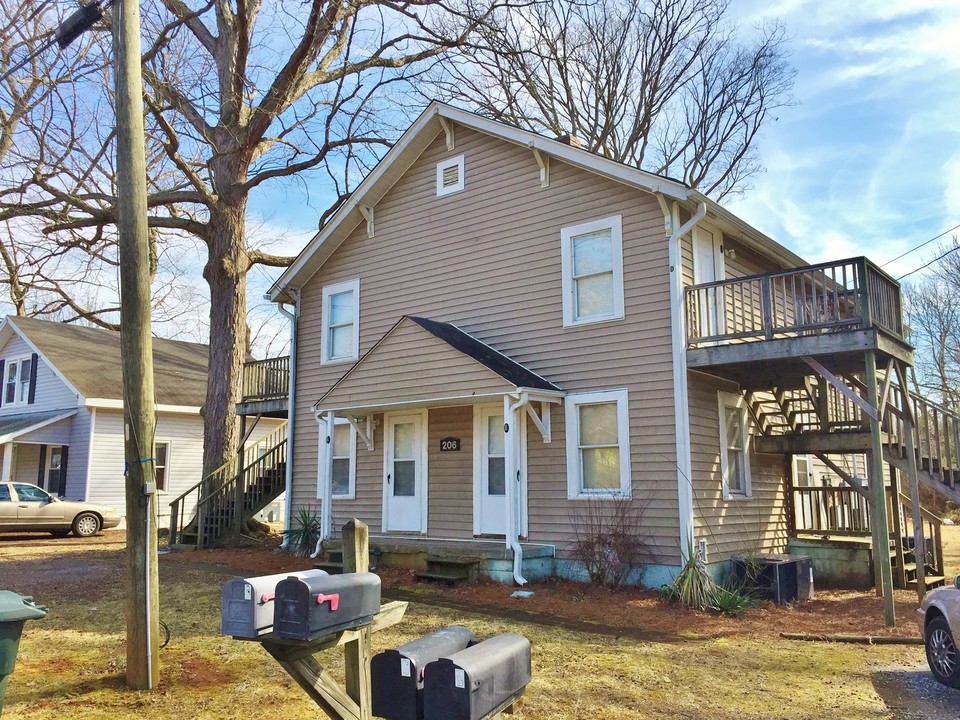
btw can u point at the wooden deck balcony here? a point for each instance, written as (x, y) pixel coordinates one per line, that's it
(266, 387)
(836, 310)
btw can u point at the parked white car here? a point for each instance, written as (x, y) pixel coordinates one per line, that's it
(28, 508)
(939, 618)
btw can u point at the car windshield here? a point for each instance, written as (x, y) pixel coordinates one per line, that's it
(30, 493)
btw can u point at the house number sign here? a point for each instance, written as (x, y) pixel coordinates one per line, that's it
(450, 444)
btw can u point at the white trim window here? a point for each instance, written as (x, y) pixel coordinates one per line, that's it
(598, 444)
(161, 463)
(734, 446)
(16, 384)
(340, 335)
(344, 448)
(592, 269)
(450, 176)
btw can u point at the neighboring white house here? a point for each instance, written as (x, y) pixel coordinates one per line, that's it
(61, 411)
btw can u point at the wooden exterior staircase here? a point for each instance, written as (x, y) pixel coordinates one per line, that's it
(221, 503)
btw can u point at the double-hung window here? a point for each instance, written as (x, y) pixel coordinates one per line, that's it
(598, 444)
(17, 383)
(340, 336)
(592, 268)
(161, 458)
(734, 446)
(344, 449)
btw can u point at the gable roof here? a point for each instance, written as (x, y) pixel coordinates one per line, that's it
(88, 359)
(438, 116)
(420, 362)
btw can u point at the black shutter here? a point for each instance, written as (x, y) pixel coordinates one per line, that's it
(34, 361)
(3, 380)
(62, 490)
(41, 471)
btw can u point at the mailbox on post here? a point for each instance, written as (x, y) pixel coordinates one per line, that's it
(247, 603)
(477, 682)
(307, 608)
(397, 675)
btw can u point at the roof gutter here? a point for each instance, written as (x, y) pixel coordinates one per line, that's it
(681, 397)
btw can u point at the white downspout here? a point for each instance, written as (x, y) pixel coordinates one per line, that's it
(681, 404)
(512, 476)
(291, 415)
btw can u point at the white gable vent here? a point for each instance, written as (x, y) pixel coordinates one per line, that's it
(450, 176)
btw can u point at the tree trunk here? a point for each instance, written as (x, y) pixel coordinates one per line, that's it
(226, 276)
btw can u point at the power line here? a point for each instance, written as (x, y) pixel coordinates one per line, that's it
(936, 259)
(920, 246)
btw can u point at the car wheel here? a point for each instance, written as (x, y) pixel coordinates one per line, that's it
(59, 533)
(86, 524)
(942, 655)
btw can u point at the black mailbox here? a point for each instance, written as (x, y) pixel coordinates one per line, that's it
(311, 607)
(477, 682)
(247, 603)
(397, 675)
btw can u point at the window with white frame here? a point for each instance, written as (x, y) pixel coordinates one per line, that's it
(450, 176)
(592, 268)
(161, 458)
(734, 446)
(598, 444)
(340, 336)
(17, 384)
(344, 449)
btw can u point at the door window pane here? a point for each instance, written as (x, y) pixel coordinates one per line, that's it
(404, 441)
(496, 484)
(495, 435)
(342, 458)
(404, 478)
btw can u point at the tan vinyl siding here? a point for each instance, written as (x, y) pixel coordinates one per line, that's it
(744, 525)
(488, 260)
(415, 365)
(451, 474)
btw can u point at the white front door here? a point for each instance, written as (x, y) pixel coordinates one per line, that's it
(489, 481)
(405, 473)
(708, 267)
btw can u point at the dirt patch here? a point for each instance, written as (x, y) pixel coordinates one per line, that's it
(197, 672)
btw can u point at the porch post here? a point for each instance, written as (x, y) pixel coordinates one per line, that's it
(510, 468)
(878, 498)
(7, 462)
(326, 472)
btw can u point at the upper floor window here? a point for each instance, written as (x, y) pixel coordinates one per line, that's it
(592, 266)
(17, 383)
(340, 337)
(734, 446)
(450, 176)
(598, 444)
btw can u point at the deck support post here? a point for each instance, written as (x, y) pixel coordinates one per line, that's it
(878, 497)
(909, 425)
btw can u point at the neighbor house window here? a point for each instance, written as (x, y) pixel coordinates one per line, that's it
(734, 446)
(450, 176)
(592, 266)
(17, 386)
(344, 448)
(598, 444)
(161, 455)
(340, 337)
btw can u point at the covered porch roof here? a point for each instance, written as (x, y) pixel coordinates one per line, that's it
(422, 363)
(15, 426)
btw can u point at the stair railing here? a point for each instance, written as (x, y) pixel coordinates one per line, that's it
(936, 434)
(207, 509)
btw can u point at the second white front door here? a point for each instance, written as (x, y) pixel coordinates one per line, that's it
(405, 472)
(489, 485)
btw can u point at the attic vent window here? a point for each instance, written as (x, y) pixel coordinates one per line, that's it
(450, 176)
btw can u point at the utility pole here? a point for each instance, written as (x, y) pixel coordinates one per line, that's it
(136, 346)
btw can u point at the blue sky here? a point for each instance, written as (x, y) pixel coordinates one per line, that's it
(866, 163)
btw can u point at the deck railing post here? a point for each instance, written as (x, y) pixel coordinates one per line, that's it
(766, 307)
(864, 288)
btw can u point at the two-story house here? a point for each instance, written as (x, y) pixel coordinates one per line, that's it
(498, 328)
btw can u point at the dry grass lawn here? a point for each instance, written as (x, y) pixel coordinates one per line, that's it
(72, 662)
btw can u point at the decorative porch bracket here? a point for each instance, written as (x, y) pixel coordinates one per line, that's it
(364, 431)
(842, 388)
(542, 421)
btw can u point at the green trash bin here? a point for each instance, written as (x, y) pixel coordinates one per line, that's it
(15, 610)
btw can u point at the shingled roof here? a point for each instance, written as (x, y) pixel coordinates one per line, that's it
(89, 358)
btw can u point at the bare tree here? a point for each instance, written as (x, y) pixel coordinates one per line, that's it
(241, 94)
(666, 85)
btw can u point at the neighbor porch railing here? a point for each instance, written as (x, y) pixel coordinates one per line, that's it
(266, 379)
(829, 297)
